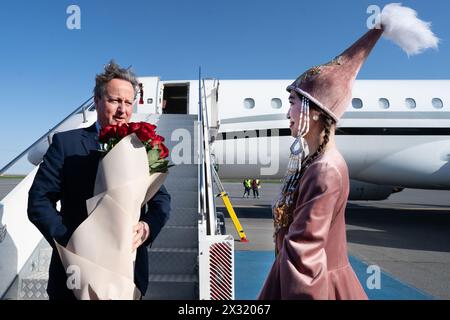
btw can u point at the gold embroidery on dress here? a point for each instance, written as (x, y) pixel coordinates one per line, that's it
(283, 207)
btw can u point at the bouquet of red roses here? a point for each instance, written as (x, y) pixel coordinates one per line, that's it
(156, 150)
(131, 172)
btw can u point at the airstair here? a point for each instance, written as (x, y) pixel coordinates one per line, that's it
(173, 257)
(188, 260)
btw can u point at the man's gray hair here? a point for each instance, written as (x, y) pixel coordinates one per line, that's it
(113, 71)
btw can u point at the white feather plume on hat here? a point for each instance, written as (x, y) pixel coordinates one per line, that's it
(403, 27)
(329, 86)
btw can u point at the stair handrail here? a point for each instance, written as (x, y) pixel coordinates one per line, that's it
(207, 204)
(209, 166)
(83, 107)
(201, 169)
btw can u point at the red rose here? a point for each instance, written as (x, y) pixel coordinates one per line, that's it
(145, 134)
(122, 130)
(107, 133)
(147, 125)
(156, 140)
(110, 135)
(133, 127)
(163, 151)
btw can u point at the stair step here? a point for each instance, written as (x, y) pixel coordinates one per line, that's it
(188, 278)
(174, 184)
(177, 237)
(172, 287)
(173, 260)
(172, 250)
(184, 171)
(183, 217)
(184, 199)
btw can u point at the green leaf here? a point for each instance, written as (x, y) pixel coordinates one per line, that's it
(159, 166)
(153, 156)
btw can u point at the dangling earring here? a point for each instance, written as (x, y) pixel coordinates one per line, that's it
(315, 117)
(298, 146)
(304, 128)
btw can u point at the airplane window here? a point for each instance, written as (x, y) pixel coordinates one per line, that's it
(249, 103)
(357, 103)
(437, 103)
(383, 103)
(276, 103)
(410, 103)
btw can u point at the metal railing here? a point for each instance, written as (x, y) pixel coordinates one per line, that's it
(83, 108)
(216, 251)
(206, 194)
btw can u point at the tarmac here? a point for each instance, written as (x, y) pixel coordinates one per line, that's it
(6, 185)
(407, 236)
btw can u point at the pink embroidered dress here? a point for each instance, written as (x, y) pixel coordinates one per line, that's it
(312, 260)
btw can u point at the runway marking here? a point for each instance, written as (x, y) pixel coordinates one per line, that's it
(252, 267)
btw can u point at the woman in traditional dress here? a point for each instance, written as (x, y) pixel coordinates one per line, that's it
(310, 240)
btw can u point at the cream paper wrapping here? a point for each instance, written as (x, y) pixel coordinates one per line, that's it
(100, 248)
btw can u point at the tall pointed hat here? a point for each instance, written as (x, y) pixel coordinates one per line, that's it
(329, 86)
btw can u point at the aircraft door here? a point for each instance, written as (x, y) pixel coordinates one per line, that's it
(175, 98)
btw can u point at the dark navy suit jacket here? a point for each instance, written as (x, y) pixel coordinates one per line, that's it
(68, 173)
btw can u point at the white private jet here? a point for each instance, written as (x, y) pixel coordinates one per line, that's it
(394, 135)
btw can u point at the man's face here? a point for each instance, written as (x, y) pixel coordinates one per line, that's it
(116, 105)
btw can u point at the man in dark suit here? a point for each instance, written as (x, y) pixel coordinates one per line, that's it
(68, 173)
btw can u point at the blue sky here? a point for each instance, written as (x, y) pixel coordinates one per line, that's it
(48, 70)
